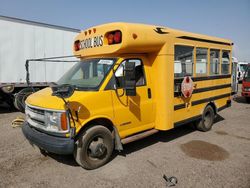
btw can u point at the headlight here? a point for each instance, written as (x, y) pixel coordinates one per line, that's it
(56, 121)
(50, 121)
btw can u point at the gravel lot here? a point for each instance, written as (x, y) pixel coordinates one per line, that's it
(219, 158)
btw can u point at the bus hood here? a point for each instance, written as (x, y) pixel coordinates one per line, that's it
(44, 99)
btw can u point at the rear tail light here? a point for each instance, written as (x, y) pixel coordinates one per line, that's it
(77, 45)
(114, 37)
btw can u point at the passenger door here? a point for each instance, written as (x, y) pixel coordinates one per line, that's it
(133, 113)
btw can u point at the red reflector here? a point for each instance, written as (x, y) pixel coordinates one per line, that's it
(77, 45)
(134, 36)
(117, 37)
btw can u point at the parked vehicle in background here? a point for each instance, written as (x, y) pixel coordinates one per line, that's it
(234, 75)
(242, 66)
(246, 84)
(21, 40)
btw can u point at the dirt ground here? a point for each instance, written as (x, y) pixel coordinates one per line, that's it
(218, 158)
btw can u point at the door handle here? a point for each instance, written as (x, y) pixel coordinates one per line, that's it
(149, 93)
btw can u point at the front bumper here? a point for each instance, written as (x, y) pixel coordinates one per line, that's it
(245, 94)
(53, 144)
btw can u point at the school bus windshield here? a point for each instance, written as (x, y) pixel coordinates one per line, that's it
(88, 73)
(247, 74)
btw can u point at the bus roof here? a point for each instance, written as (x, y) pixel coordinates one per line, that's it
(136, 38)
(243, 63)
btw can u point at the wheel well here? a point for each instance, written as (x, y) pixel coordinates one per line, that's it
(99, 121)
(213, 106)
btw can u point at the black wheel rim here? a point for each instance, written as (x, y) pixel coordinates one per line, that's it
(97, 149)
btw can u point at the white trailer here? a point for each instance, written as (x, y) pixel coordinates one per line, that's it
(21, 40)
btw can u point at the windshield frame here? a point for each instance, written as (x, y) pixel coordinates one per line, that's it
(96, 88)
(243, 67)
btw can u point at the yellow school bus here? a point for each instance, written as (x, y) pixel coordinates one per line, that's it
(132, 81)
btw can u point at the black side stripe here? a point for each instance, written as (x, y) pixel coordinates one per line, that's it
(204, 40)
(180, 106)
(200, 90)
(210, 99)
(202, 78)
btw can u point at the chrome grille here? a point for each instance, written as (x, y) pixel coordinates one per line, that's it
(38, 111)
(35, 117)
(44, 119)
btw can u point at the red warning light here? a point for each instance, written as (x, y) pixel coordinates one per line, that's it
(118, 37)
(114, 37)
(77, 45)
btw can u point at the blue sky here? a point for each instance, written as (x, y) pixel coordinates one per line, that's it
(222, 18)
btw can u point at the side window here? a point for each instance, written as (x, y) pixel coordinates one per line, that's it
(225, 62)
(201, 61)
(214, 62)
(139, 71)
(102, 70)
(183, 61)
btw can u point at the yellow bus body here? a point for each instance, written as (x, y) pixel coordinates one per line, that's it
(164, 109)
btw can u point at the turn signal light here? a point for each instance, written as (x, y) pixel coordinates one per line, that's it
(64, 125)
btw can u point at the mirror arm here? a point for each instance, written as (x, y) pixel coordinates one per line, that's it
(116, 91)
(115, 84)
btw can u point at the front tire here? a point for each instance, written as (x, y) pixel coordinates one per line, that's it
(94, 147)
(207, 120)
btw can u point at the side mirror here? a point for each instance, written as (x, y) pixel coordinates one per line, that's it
(129, 79)
(62, 91)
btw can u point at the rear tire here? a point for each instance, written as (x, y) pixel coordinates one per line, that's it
(94, 147)
(248, 99)
(207, 120)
